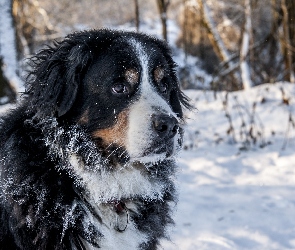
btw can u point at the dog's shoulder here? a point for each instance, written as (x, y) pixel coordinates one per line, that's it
(34, 197)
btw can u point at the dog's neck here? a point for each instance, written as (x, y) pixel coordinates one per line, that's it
(109, 200)
(76, 153)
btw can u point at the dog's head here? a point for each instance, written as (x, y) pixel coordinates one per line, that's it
(120, 86)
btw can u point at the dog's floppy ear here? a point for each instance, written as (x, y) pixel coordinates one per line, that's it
(54, 83)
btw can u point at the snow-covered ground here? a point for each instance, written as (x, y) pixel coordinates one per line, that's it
(233, 195)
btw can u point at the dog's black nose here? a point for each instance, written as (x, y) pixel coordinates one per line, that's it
(165, 126)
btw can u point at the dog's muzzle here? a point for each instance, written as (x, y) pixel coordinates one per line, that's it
(165, 128)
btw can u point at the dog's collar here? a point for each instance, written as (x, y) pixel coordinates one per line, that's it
(119, 206)
(122, 215)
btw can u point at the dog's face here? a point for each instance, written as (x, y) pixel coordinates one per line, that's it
(125, 93)
(130, 101)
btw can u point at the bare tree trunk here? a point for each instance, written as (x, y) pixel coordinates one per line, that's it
(6, 93)
(292, 29)
(8, 50)
(24, 32)
(136, 15)
(163, 6)
(244, 51)
(184, 29)
(286, 42)
(217, 42)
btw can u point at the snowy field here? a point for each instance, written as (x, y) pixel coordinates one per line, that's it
(234, 195)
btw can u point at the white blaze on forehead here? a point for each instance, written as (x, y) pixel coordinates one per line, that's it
(140, 133)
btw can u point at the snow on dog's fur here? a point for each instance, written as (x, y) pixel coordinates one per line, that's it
(87, 158)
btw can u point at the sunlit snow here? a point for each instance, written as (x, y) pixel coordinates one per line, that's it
(232, 196)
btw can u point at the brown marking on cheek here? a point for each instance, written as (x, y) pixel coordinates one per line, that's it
(84, 119)
(116, 134)
(159, 74)
(131, 76)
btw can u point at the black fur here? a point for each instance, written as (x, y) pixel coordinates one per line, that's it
(38, 189)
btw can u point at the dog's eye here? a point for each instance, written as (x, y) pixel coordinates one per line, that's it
(120, 89)
(163, 87)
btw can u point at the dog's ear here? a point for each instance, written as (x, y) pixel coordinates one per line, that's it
(175, 103)
(177, 100)
(54, 83)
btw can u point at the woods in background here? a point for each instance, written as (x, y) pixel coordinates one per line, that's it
(252, 41)
(241, 43)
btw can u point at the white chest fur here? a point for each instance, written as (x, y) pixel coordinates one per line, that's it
(105, 187)
(123, 183)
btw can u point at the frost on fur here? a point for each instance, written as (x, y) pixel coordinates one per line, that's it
(135, 182)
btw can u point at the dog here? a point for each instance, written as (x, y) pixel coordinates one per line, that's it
(88, 156)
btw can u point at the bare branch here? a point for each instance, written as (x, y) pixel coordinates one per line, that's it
(244, 66)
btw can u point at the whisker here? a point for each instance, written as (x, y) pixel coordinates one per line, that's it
(120, 146)
(124, 151)
(110, 145)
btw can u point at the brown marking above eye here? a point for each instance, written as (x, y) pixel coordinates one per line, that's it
(131, 76)
(159, 74)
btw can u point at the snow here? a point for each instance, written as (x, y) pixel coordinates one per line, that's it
(231, 197)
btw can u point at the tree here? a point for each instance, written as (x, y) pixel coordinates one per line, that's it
(244, 51)
(6, 93)
(217, 43)
(8, 51)
(136, 15)
(21, 22)
(288, 37)
(162, 7)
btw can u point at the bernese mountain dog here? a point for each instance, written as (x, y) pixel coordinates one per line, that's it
(87, 159)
